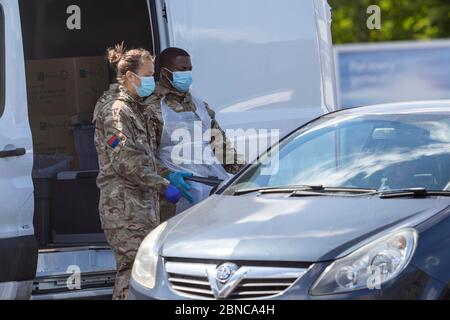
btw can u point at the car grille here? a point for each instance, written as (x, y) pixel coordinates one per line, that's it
(192, 279)
(198, 286)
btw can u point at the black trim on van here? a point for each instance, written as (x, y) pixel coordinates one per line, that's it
(18, 259)
(155, 34)
(155, 28)
(2, 61)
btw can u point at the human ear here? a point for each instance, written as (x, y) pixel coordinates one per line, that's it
(164, 72)
(131, 78)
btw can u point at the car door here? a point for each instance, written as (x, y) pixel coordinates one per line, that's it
(16, 158)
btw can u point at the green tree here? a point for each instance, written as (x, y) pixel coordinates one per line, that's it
(400, 20)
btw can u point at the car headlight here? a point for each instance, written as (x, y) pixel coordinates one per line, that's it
(369, 266)
(144, 267)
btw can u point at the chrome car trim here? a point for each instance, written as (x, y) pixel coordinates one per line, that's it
(200, 280)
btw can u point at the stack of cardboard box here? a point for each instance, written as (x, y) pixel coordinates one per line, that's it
(62, 93)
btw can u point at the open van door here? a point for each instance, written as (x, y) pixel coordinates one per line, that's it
(65, 74)
(18, 249)
(260, 64)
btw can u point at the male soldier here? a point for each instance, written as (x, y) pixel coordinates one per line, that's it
(171, 108)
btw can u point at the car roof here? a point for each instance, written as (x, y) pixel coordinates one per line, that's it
(433, 106)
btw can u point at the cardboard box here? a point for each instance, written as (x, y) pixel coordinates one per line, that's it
(92, 82)
(50, 86)
(52, 135)
(65, 86)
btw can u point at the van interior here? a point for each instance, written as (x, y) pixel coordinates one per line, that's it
(66, 72)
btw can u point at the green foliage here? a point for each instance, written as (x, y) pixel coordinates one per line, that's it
(400, 20)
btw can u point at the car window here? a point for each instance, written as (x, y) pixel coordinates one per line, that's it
(304, 159)
(375, 152)
(2, 61)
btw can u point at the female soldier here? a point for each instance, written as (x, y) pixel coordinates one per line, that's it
(128, 182)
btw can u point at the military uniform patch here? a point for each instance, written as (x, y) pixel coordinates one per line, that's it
(114, 141)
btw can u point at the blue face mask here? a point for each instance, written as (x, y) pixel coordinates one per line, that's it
(146, 88)
(182, 80)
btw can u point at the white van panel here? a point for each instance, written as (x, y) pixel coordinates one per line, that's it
(256, 62)
(16, 186)
(325, 42)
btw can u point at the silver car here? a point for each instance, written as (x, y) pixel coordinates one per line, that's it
(354, 204)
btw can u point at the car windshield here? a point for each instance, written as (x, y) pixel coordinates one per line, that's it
(377, 152)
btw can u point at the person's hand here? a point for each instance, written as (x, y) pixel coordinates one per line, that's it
(177, 180)
(172, 194)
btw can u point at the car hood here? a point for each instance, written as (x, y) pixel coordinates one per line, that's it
(277, 228)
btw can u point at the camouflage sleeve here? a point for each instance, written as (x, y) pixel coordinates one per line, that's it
(128, 155)
(155, 126)
(222, 147)
(162, 170)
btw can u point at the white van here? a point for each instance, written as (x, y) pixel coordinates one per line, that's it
(261, 64)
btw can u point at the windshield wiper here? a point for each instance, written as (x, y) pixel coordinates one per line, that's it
(412, 192)
(341, 191)
(302, 190)
(279, 189)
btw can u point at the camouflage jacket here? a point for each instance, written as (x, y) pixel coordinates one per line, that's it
(128, 177)
(182, 102)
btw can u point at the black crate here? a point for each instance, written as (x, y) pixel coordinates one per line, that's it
(43, 188)
(85, 147)
(75, 216)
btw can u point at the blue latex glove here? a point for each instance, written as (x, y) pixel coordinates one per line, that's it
(172, 194)
(177, 180)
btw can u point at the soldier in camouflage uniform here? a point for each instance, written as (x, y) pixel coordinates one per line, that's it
(129, 185)
(172, 60)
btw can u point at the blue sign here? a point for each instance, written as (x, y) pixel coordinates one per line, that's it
(376, 74)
